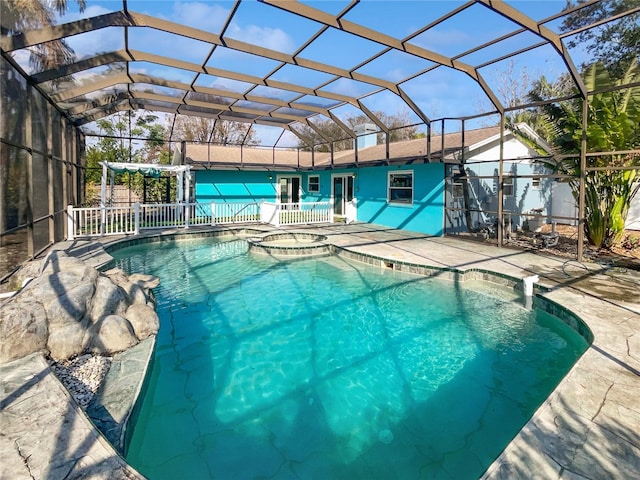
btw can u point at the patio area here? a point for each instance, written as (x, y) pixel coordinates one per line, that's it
(588, 427)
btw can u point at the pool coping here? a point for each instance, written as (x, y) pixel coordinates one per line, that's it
(587, 427)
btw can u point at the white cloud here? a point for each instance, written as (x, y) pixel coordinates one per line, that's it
(199, 15)
(22, 58)
(92, 43)
(442, 41)
(346, 86)
(167, 44)
(271, 38)
(90, 11)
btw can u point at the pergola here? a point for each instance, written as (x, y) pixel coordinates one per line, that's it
(182, 172)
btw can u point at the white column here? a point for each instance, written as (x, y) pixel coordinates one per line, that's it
(187, 186)
(103, 186)
(71, 225)
(187, 189)
(136, 218)
(103, 198)
(179, 192)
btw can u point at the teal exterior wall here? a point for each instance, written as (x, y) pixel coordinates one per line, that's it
(248, 186)
(425, 215)
(234, 186)
(324, 195)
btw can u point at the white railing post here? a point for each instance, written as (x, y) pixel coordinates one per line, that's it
(71, 224)
(136, 218)
(187, 211)
(103, 219)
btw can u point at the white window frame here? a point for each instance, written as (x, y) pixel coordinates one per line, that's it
(455, 186)
(316, 184)
(390, 175)
(509, 179)
(280, 177)
(537, 180)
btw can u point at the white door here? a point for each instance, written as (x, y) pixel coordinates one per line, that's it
(289, 191)
(342, 197)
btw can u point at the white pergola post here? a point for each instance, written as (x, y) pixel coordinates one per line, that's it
(103, 198)
(179, 192)
(187, 187)
(183, 178)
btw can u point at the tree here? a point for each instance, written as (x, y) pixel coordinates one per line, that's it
(205, 130)
(615, 44)
(399, 125)
(20, 16)
(25, 15)
(114, 146)
(613, 125)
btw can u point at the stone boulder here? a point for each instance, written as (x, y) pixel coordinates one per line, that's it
(108, 299)
(136, 286)
(145, 281)
(112, 334)
(70, 308)
(65, 289)
(23, 330)
(143, 319)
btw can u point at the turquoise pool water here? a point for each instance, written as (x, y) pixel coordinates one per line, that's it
(322, 368)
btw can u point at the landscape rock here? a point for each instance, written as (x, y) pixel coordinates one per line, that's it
(136, 286)
(135, 293)
(69, 305)
(144, 320)
(67, 317)
(145, 281)
(117, 276)
(67, 340)
(70, 308)
(59, 261)
(23, 330)
(108, 299)
(112, 334)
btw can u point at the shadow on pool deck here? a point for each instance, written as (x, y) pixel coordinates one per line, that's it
(588, 426)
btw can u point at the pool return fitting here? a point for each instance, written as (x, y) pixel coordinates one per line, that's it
(528, 290)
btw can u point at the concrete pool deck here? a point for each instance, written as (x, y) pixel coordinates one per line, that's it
(589, 427)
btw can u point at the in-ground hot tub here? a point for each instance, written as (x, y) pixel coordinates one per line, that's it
(289, 243)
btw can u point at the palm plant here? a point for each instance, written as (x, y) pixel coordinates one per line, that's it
(613, 125)
(24, 15)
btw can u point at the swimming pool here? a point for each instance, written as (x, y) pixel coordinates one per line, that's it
(324, 368)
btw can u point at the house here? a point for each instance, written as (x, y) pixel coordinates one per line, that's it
(416, 186)
(526, 187)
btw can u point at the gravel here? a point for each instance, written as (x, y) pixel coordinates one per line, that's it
(82, 376)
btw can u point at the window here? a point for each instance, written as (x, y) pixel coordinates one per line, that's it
(507, 186)
(314, 183)
(535, 183)
(401, 188)
(457, 189)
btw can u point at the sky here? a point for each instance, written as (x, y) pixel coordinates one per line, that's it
(440, 92)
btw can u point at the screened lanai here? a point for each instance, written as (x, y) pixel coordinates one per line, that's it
(288, 85)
